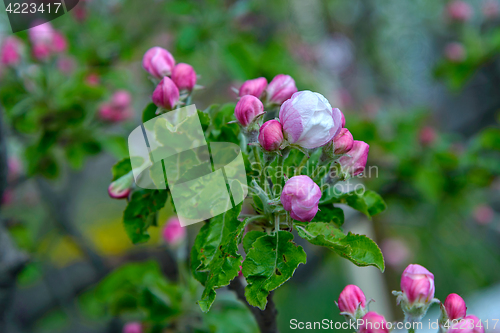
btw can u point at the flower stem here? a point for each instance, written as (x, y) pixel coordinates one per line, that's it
(301, 165)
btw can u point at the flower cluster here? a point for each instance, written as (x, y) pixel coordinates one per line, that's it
(415, 298)
(46, 42)
(118, 108)
(176, 80)
(306, 121)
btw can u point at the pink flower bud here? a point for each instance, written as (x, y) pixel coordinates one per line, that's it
(427, 136)
(355, 162)
(158, 62)
(41, 51)
(120, 188)
(308, 120)
(166, 94)
(132, 328)
(343, 142)
(184, 76)
(66, 64)
(121, 99)
(470, 324)
(396, 252)
(342, 118)
(59, 43)
(483, 214)
(300, 197)
(41, 34)
(173, 232)
(113, 114)
(459, 10)
(373, 323)
(417, 285)
(247, 108)
(455, 307)
(350, 299)
(253, 87)
(271, 135)
(490, 9)
(281, 88)
(92, 79)
(454, 52)
(11, 51)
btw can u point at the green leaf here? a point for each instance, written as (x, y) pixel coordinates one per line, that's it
(116, 145)
(490, 138)
(204, 120)
(217, 246)
(368, 202)
(270, 262)
(359, 249)
(363, 251)
(250, 238)
(141, 288)
(140, 213)
(329, 213)
(149, 112)
(121, 168)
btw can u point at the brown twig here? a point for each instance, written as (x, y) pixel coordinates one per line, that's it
(265, 319)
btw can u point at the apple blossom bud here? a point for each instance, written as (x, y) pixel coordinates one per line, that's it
(483, 214)
(66, 64)
(355, 162)
(454, 52)
(281, 88)
(184, 76)
(247, 109)
(41, 51)
(59, 43)
(92, 79)
(454, 306)
(372, 322)
(166, 94)
(41, 33)
(14, 168)
(308, 119)
(110, 113)
(459, 10)
(300, 197)
(253, 87)
(133, 327)
(351, 300)
(11, 51)
(396, 252)
(342, 142)
(417, 285)
(121, 99)
(490, 9)
(120, 188)
(7, 197)
(158, 62)
(271, 135)
(342, 118)
(427, 136)
(173, 232)
(470, 324)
